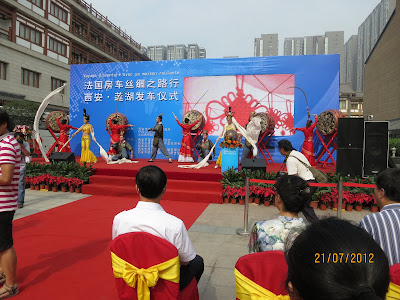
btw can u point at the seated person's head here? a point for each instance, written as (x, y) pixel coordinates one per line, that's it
(151, 182)
(121, 138)
(387, 187)
(357, 267)
(292, 193)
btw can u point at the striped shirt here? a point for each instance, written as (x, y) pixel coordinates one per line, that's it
(10, 153)
(385, 229)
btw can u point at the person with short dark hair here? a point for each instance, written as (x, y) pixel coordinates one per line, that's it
(25, 152)
(10, 163)
(186, 151)
(384, 226)
(158, 141)
(116, 132)
(63, 138)
(149, 216)
(204, 146)
(334, 259)
(295, 164)
(292, 194)
(122, 149)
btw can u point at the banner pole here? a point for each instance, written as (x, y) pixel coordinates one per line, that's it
(245, 230)
(340, 198)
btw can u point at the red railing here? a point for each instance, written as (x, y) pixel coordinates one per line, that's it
(103, 19)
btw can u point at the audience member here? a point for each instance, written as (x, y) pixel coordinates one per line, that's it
(292, 193)
(296, 165)
(148, 216)
(10, 162)
(336, 260)
(25, 153)
(384, 227)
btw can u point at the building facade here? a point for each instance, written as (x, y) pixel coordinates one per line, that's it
(177, 51)
(293, 46)
(382, 74)
(350, 62)
(368, 34)
(314, 45)
(267, 45)
(39, 39)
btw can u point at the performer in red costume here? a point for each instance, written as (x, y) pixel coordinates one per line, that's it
(115, 133)
(308, 145)
(186, 152)
(63, 138)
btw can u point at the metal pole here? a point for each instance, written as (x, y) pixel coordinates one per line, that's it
(245, 230)
(340, 199)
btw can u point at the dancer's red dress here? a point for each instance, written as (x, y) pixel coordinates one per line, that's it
(308, 145)
(186, 152)
(115, 133)
(63, 138)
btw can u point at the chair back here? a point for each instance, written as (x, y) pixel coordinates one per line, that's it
(395, 274)
(144, 250)
(267, 269)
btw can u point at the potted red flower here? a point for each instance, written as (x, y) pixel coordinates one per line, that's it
(269, 194)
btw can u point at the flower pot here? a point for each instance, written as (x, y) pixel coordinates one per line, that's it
(41, 186)
(32, 187)
(322, 206)
(241, 201)
(374, 208)
(46, 187)
(233, 200)
(251, 199)
(64, 189)
(257, 200)
(335, 205)
(226, 200)
(358, 207)
(267, 203)
(314, 204)
(78, 190)
(37, 187)
(54, 189)
(349, 207)
(71, 189)
(343, 205)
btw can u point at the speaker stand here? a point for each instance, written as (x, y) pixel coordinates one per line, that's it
(326, 150)
(262, 145)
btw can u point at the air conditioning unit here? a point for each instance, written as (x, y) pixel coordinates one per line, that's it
(370, 117)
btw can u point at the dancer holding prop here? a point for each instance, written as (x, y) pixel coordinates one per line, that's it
(186, 151)
(158, 142)
(308, 144)
(87, 130)
(63, 138)
(116, 130)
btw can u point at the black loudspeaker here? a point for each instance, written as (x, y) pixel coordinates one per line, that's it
(62, 156)
(350, 133)
(376, 147)
(349, 162)
(254, 164)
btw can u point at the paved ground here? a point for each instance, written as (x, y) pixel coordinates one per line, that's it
(213, 235)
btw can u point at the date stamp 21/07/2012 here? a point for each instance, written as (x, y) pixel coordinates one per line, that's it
(344, 258)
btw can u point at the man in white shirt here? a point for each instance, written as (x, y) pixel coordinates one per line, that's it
(25, 153)
(295, 166)
(149, 216)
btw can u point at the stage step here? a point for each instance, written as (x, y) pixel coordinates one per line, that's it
(177, 190)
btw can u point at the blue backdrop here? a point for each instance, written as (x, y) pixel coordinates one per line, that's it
(154, 87)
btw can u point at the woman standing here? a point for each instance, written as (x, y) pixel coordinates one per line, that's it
(115, 133)
(186, 151)
(63, 138)
(87, 130)
(308, 145)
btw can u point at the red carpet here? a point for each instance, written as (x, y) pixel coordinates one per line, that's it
(63, 253)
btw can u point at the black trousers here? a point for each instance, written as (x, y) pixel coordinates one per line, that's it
(194, 269)
(308, 211)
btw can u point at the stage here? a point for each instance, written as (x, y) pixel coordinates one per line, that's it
(189, 185)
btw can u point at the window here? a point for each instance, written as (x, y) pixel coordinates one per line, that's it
(3, 67)
(56, 83)
(30, 34)
(58, 12)
(58, 47)
(30, 78)
(36, 2)
(342, 104)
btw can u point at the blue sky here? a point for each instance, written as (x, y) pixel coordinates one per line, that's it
(228, 28)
